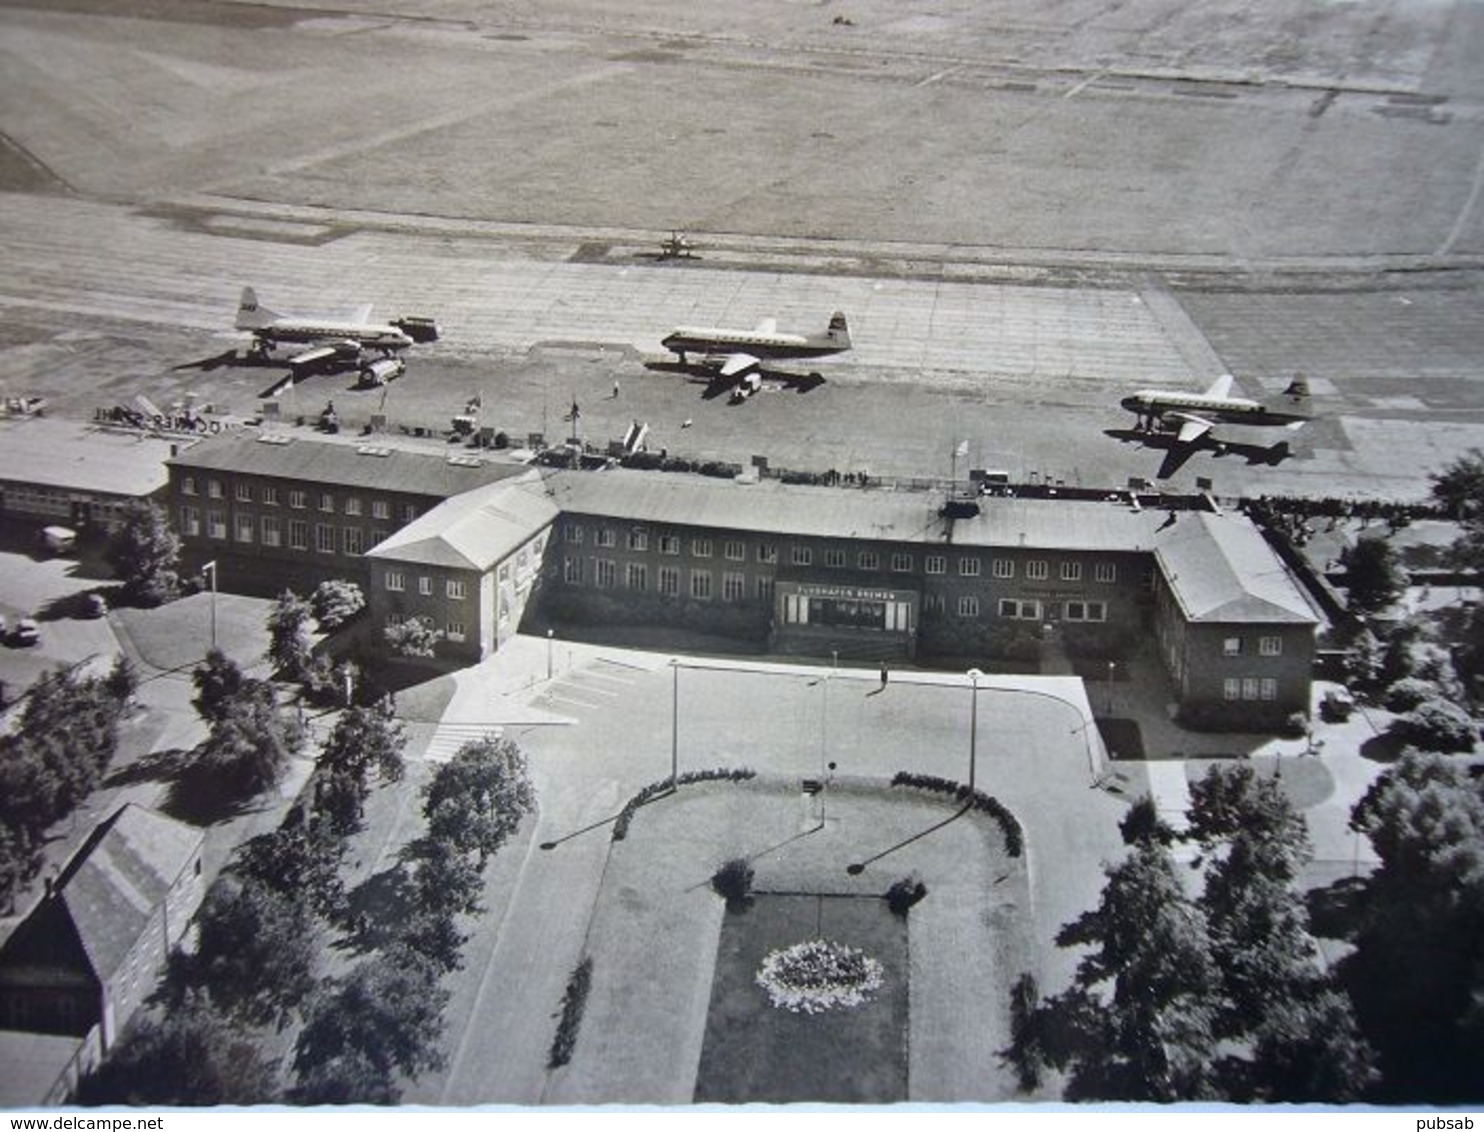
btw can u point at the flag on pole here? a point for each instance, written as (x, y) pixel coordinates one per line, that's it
(575, 413)
(962, 449)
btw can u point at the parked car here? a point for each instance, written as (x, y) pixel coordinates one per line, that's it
(94, 605)
(1336, 706)
(26, 632)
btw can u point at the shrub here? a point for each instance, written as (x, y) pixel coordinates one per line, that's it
(733, 882)
(335, 602)
(656, 789)
(574, 1001)
(412, 638)
(1436, 725)
(1408, 693)
(984, 803)
(905, 893)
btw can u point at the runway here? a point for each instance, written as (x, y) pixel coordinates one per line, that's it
(1025, 216)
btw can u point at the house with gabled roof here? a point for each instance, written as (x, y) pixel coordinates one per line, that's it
(467, 568)
(92, 950)
(1235, 630)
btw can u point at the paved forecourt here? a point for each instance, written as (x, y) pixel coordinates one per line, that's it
(594, 751)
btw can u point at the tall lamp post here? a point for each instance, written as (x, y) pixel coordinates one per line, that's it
(674, 725)
(974, 675)
(210, 567)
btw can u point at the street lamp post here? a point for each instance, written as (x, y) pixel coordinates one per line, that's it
(974, 675)
(211, 567)
(549, 633)
(674, 725)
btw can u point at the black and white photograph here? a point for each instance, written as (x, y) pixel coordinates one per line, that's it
(859, 556)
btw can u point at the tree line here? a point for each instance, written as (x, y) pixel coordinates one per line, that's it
(265, 928)
(1221, 994)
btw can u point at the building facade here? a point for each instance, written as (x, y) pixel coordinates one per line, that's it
(92, 950)
(84, 477)
(467, 569)
(468, 547)
(275, 511)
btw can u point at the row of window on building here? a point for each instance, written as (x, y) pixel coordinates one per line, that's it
(455, 589)
(268, 495)
(1250, 688)
(1266, 646)
(636, 578)
(900, 562)
(272, 531)
(453, 630)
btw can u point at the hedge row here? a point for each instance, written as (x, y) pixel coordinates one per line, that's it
(655, 789)
(1009, 824)
(573, 1003)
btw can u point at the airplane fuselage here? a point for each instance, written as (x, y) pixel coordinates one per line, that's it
(1154, 405)
(710, 340)
(375, 336)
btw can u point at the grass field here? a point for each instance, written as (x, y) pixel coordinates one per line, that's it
(756, 1052)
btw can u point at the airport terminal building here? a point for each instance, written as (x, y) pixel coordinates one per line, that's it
(472, 547)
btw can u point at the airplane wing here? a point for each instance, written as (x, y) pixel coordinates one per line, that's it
(339, 349)
(738, 364)
(361, 313)
(1192, 428)
(1221, 387)
(766, 326)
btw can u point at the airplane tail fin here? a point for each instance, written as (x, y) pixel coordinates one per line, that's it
(839, 332)
(250, 316)
(1297, 392)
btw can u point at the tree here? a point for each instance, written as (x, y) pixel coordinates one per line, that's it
(191, 1056)
(288, 635)
(66, 738)
(299, 858)
(20, 858)
(1416, 975)
(251, 743)
(219, 682)
(1363, 659)
(1374, 577)
(1436, 725)
(382, 1019)
(255, 951)
(122, 681)
(444, 879)
(364, 739)
(477, 799)
(1460, 487)
(412, 638)
(1138, 1023)
(145, 556)
(336, 601)
(1309, 1049)
(1232, 799)
(1143, 824)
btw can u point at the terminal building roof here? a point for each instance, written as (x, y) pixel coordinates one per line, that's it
(474, 530)
(1218, 565)
(367, 466)
(46, 452)
(1221, 569)
(771, 507)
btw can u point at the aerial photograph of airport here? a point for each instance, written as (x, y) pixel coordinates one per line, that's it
(876, 553)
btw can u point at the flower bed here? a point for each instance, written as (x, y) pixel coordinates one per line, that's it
(818, 975)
